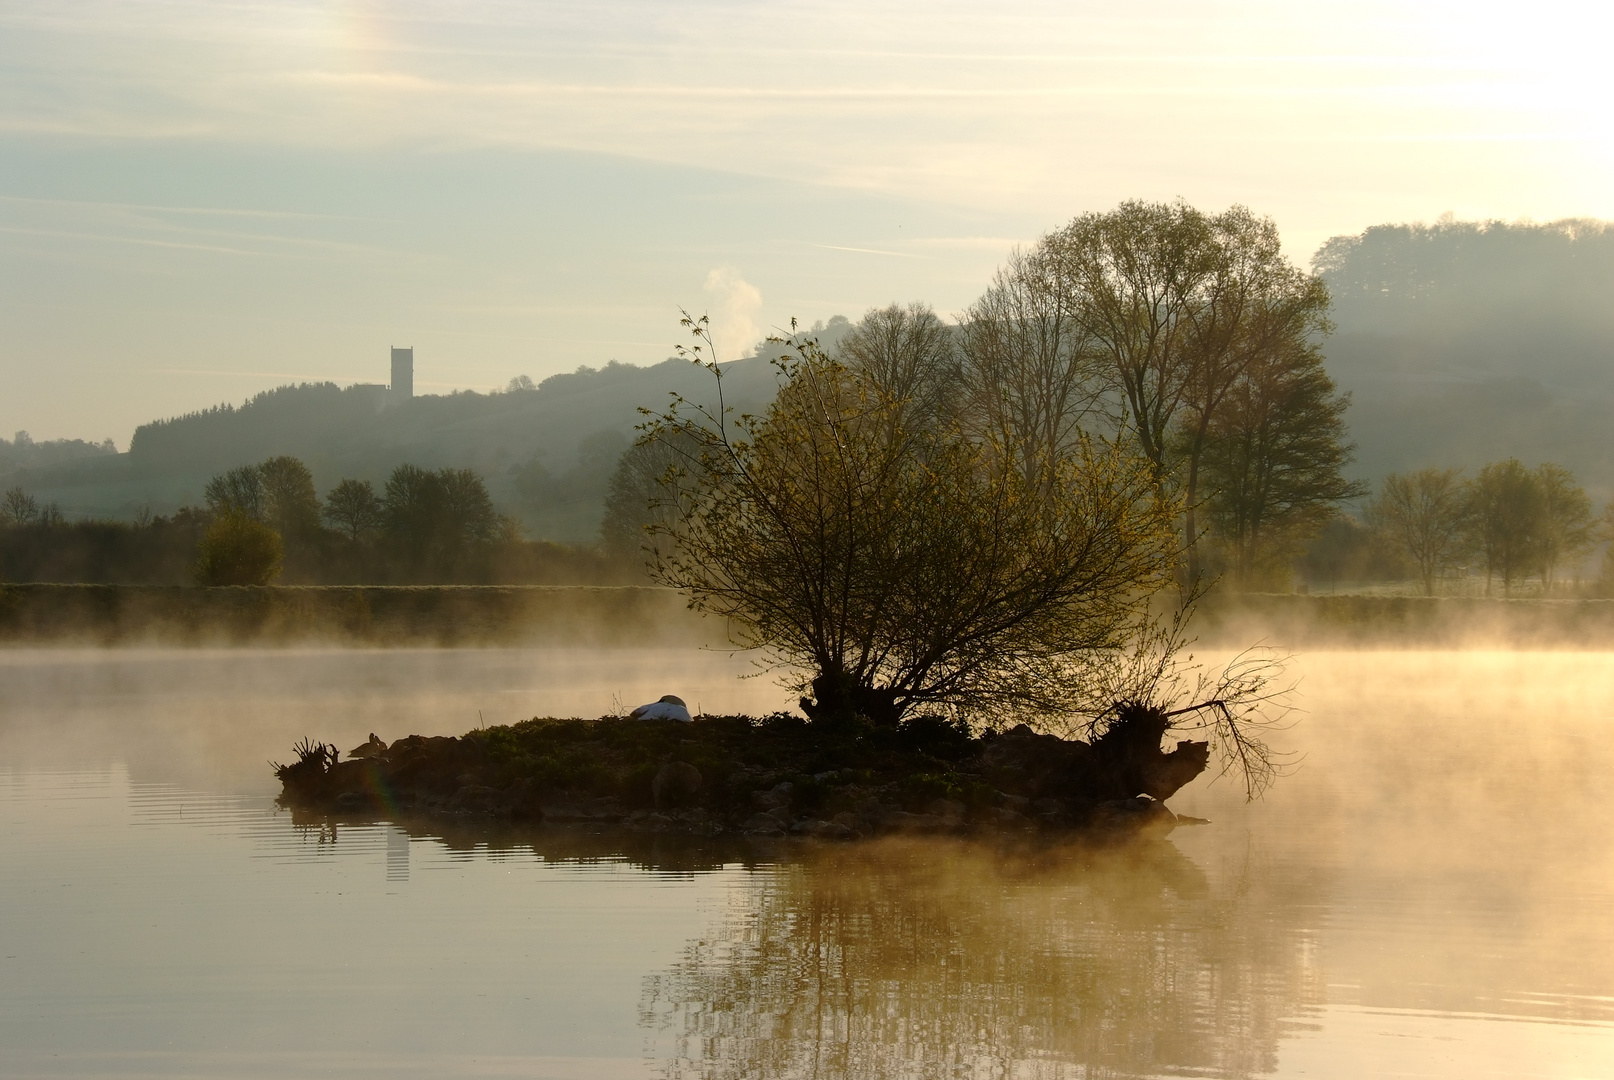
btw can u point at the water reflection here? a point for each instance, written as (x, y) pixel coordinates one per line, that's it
(950, 959)
(1432, 894)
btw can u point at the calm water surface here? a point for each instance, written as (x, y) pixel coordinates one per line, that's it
(1431, 893)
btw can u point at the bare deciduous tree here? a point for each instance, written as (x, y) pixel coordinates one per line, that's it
(18, 507)
(1030, 374)
(909, 352)
(1425, 514)
(1137, 274)
(1568, 529)
(1505, 511)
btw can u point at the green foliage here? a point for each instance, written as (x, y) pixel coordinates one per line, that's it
(353, 509)
(238, 550)
(436, 521)
(895, 568)
(1426, 516)
(1273, 460)
(1522, 521)
(290, 505)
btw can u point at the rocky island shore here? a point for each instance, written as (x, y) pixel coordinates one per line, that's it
(772, 776)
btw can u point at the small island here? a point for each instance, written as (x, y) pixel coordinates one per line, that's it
(781, 775)
(985, 617)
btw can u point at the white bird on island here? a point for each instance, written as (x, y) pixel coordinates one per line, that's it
(670, 707)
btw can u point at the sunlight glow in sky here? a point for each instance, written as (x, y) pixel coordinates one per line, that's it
(201, 200)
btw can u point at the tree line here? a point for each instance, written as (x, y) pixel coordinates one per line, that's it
(1514, 521)
(1009, 518)
(266, 522)
(1185, 336)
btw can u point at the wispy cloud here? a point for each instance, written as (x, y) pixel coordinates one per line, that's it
(868, 251)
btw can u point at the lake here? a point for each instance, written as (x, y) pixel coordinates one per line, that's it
(1429, 892)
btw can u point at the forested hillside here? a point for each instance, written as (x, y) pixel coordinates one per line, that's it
(545, 450)
(1464, 342)
(1459, 342)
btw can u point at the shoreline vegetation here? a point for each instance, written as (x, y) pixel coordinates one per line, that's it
(473, 616)
(775, 776)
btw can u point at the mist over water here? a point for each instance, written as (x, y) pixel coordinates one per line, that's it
(1429, 893)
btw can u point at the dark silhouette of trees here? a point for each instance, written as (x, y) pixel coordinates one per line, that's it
(413, 506)
(468, 517)
(644, 493)
(18, 508)
(1506, 509)
(1274, 458)
(288, 502)
(1030, 376)
(354, 510)
(436, 521)
(278, 492)
(1424, 514)
(239, 490)
(1567, 530)
(909, 351)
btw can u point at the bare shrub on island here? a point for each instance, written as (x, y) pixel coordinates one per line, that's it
(897, 569)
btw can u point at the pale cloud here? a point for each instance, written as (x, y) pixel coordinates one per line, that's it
(1314, 113)
(207, 183)
(735, 307)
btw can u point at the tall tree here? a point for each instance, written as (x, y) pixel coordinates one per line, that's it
(909, 352)
(644, 492)
(907, 569)
(413, 504)
(353, 509)
(240, 490)
(1138, 273)
(18, 508)
(289, 504)
(1425, 515)
(437, 519)
(1567, 530)
(468, 514)
(1031, 378)
(1274, 457)
(1254, 306)
(1505, 520)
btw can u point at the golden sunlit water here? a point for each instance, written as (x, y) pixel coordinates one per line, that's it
(1429, 893)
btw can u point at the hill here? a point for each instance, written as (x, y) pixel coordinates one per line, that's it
(1464, 342)
(545, 450)
(1460, 343)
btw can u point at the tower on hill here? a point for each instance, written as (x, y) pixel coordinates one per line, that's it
(403, 372)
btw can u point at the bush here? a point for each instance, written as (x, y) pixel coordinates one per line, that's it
(238, 550)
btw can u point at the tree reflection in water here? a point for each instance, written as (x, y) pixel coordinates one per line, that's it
(942, 959)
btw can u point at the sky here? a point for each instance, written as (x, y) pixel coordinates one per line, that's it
(199, 201)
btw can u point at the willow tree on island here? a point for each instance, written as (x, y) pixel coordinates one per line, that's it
(899, 567)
